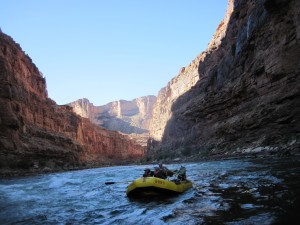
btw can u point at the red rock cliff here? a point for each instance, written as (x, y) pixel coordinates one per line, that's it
(131, 118)
(125, 116)
(247, 95)
(35, 132)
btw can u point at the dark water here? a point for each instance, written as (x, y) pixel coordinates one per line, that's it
(225, 192)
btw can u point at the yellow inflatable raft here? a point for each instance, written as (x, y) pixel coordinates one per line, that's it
(154, 185)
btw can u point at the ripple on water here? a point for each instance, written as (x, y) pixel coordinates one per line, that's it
(227, 192)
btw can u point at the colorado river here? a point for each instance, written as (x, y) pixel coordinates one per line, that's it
(259, 191)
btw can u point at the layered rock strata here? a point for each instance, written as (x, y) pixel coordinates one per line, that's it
(128, 117)
(182, 83)
(246, 98)
(35, 133)
(124, 116)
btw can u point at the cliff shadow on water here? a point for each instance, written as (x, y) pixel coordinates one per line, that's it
(247, 97)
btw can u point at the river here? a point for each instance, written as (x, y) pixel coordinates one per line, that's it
(258, 191)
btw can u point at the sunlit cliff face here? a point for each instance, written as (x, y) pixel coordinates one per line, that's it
(36, 131)
(220, 33)
(184, 81)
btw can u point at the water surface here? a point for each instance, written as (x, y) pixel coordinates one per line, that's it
(225, 192)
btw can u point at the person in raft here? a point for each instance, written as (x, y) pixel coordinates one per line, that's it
(159, 173)
(148, 173)
(181, 173)
(162, 171)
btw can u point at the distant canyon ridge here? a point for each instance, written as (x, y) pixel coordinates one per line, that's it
(128, 117)
(238, 97)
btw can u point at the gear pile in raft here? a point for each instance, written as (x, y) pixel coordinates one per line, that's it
(156, 182)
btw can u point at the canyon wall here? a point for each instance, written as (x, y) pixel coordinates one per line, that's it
(129, 117)
(37, 134)
(182, 83)
(124, 116)
(246, 98)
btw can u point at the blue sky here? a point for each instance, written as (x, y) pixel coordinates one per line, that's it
(107, 50)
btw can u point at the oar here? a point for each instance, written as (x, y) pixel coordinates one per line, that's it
(111, 182)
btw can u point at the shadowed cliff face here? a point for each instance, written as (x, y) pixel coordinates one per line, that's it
(247, 96)
(35, 133)
(183, 82)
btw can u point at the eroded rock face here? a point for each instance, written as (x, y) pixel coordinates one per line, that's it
(182, 83)
(247, 93)
(125, 116)
(179, 85)
(131, 118)
(35, 132)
